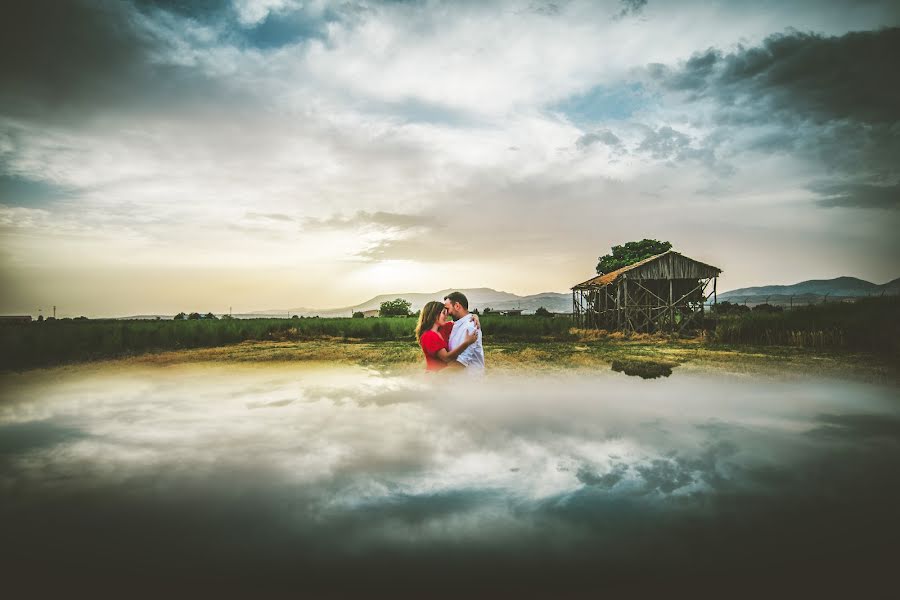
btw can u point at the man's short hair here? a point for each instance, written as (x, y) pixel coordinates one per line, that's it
(458, 297)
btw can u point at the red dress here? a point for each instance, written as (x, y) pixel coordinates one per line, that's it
(431, 343)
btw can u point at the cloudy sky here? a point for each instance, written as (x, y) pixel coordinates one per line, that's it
(158, 156)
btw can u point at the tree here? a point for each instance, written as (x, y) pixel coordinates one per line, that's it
(194, 316)
(727, 308)
(488, 309)
(209, 315)
(542, 312)
(179, 317)
(766, 307)
(394, 308)
(630, 253)
(359, 315)
(475, 311)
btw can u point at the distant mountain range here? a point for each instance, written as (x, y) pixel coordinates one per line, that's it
(804, 292)
(479, 298)
(812, 290)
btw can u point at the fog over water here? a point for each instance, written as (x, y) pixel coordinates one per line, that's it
(343, 480)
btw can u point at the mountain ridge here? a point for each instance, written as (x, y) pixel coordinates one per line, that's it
(479, 298)
(838, 287)
(557, 302)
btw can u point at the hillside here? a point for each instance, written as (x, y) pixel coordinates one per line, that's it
(811, 290)
(479, 298)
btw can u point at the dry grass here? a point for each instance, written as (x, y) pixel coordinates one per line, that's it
(556, 356)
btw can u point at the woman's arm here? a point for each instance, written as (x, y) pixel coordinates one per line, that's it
(449, 357)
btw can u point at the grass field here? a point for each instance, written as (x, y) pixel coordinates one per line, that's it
(54, 342)
(588, 354)
(871, 324)
(868, 329)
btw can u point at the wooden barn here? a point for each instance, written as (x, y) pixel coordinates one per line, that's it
(663, 293)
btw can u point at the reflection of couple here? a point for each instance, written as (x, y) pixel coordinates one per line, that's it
(454, 344)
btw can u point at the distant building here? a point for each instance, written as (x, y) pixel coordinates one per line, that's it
(665, 292)
(371, 313)
(15, 318)
(515, 312)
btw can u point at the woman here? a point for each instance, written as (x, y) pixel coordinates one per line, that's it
(433, 332)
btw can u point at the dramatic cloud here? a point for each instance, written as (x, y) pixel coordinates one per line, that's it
(860, 195)
(833, 100)
(429, 144)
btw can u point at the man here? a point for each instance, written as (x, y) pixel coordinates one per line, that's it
(472, 358)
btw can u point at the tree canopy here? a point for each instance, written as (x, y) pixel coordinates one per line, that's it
(394, 308)
(630, 253)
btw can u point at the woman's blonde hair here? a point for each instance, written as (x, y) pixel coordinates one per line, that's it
(427, 316)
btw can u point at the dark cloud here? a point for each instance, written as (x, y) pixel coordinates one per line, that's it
(857, 427)
(67, 61)
(603, 136)
(17, 438)
(631, 7)
(831, 100)
(665, 143)
(859, 195)
(548, 9)
(803, 74)
(608, 480)
(47, 63)
(668, 144)
(201, 10)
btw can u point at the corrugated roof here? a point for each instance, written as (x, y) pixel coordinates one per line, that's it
(607, 278)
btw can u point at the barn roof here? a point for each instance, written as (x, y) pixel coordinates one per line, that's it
(688, 268)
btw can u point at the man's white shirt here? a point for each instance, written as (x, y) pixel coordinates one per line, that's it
(472, 357)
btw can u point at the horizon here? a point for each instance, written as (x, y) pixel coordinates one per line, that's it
(261, 311)
(156, 155)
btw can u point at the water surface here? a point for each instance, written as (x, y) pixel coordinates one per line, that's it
(348, 480)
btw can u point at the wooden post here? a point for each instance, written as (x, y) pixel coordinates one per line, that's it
(671, 310)
(625, 300)
(574, 309)
(619, 305)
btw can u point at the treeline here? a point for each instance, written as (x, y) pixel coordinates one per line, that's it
(25, 345)
(870, 324)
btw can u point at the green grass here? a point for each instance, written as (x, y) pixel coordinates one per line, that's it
(24, 345)
(871, 324)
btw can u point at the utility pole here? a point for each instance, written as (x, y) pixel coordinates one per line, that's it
(792, 301)
(54, 311)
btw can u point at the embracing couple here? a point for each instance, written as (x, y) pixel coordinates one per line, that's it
(455, 344)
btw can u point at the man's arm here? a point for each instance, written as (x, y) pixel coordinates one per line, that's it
(469, 355)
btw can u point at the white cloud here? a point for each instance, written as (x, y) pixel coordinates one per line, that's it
(438, 111)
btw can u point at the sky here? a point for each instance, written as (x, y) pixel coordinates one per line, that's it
(159, 156)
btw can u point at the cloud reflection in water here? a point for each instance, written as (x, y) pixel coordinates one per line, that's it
(288, 471)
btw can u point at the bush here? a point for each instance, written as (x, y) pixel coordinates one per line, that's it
(394, 308)
(870, 324)
(359, 315)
